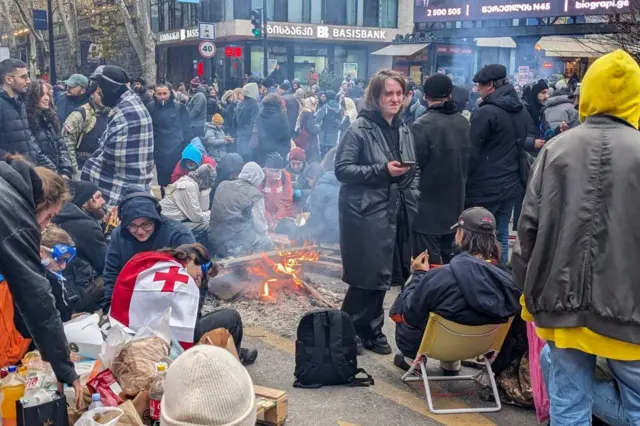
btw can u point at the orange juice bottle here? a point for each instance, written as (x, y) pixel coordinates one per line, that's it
(12, 388)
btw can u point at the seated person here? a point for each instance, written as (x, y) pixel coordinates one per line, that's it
(142, 228)
(188, 269)
(278, 191)
(322, 224)
(56, 252)
(187, 201)
(214, 372)
(238, 222)
(228, 168)
(215, 141)
(471, 290)
(307, 181)
(296, 166)
(82, 219)
(192, 158)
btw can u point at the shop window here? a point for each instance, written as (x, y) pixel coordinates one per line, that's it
(281, 8)
(370, 13)
(339, 12)
(388, 14)
(242, 9)
(306, 11)
(155, 25)
(217, 9)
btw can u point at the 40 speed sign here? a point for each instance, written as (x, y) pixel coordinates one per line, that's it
(207, 49)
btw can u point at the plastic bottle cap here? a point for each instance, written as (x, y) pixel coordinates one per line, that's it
(95, 397)
(161, 366)
(12, 369)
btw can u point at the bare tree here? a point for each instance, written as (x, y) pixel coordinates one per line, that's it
(68, 15)
(138, 26)
(25, 10)
(7, 22)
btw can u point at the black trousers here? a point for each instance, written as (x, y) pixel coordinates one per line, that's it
(367, 311)
(228, 319)
(439, 247)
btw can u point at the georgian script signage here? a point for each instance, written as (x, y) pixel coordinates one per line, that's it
(325, 32)
(178, 35)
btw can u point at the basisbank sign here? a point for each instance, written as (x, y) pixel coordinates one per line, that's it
(462, 10)
(326, 32)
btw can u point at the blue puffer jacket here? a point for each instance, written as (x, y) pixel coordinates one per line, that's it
(468, 291)
(123, 246)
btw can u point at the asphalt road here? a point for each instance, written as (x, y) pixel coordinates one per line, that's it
(389, 402)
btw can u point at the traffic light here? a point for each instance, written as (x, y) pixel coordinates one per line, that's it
(256, 21)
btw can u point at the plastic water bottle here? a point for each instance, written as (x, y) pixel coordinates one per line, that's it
(95, 401)
(12, 390)
(156, 391)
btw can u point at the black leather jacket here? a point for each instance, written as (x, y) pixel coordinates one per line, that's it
(53, 146)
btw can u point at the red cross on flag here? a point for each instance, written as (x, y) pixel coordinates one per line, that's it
(147, 286)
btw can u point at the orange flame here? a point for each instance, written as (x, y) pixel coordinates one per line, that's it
(266, 288)
(287, 267)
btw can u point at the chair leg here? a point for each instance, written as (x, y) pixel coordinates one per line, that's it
(408, 376)
(427, 390)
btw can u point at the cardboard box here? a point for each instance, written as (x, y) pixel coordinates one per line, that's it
(272, 406)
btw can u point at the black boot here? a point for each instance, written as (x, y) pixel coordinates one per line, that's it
(379, 346)
(400, 362)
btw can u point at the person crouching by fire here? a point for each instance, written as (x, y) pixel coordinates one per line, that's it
(176, 278)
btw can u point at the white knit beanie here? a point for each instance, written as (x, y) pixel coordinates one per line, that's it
(207, 386)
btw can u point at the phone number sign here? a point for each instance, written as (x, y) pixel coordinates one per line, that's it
(462, 10)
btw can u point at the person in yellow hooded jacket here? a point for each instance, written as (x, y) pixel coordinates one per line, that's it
(578, 255)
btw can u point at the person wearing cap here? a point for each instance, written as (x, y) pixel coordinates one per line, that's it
(473, 289)
(125, 155)
(82, 219)
(576, 253)
(171, 131)
(498, 134)
(535, 97)
(443, 148)
(140, 87)
(297, 164)
(85, 125)
(376, 164)
(193, 156)
(219, 390)
(278, 191)
(75, 97)
(215, 141)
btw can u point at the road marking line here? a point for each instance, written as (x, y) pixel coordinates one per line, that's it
(388, 391)
(346, 424)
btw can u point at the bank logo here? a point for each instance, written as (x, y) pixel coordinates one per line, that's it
(323, 32)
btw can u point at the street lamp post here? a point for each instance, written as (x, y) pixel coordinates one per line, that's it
(52, 49)
(265, 69)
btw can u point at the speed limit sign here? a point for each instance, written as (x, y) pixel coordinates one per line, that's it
(207, 49)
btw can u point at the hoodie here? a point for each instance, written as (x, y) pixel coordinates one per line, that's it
(250, 90)
(576, 259)
(123, 246)
(20, 191)
(559, 109)
(191, 152)
(498, 134)
(469, 291)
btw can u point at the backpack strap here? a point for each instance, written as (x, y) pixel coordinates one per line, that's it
(337, 353)
(320, 321)
(362, 382)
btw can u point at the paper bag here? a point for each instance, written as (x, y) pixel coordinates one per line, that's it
(221, 338)
(130, 416)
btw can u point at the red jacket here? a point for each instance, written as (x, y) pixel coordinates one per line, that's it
(180, 171)
(278, 199)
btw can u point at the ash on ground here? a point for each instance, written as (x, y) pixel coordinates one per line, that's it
(281, 312)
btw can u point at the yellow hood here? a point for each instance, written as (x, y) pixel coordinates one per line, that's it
(612, 86)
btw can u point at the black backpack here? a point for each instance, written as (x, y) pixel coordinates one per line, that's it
(326, 352)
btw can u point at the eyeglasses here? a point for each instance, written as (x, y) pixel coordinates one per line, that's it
(22, 77)
(146, 226)
(62, 253)
(206, 268)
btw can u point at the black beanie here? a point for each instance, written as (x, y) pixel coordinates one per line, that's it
(437, 86)
(539, 87)
(274, 161)
(82, 191)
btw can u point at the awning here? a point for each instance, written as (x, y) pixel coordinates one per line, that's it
(400, 49)
(569, 47)
(506, 42)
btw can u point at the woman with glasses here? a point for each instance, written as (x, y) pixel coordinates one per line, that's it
(177, 278)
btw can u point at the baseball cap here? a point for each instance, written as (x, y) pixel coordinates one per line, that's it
(476, 219)
(77, 80)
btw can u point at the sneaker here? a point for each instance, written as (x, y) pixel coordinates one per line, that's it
(248, 356)
(378, 346)
(400, 362)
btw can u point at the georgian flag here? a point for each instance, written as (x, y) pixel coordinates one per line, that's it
(147, 286)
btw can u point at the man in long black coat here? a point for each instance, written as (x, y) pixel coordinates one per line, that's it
(442, 143)
(378, 203)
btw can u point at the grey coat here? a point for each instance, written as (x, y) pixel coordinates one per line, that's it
(214, 141)
(559, 109)
(197, 108)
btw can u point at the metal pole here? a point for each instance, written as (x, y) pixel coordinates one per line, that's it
(265, 71)
(52, 49)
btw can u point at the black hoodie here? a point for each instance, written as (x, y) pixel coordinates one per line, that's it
(498, 133)
(468, 291)
(20, 191)
(123, 246)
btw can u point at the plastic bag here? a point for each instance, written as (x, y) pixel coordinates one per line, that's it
(108, 416)
(540, 396)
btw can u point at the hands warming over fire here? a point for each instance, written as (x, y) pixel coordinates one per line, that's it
(421, 263)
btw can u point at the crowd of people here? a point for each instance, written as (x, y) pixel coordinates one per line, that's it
(418, 185)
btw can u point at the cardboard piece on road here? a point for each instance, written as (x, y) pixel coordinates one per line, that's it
(272, 406)
(220, 338)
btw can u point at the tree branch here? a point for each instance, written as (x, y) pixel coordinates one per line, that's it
(28, 21)
(136, 43)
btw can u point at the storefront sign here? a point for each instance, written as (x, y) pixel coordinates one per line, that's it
(179, 35)
(462, 10)
(454, 50)
(325, 32)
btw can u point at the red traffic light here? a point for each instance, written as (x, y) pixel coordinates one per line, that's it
(200, 69)
(233, 51)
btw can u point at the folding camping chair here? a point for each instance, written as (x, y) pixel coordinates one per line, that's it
(446, 340)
